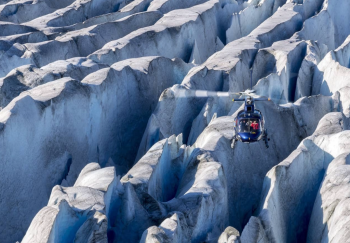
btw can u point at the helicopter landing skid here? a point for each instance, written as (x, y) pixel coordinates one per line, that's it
(266, 139)
(234, 140)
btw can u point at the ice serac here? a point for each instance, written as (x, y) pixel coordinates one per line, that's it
(202, 197)
(104, 105)
(79, 213)
(29, 76)
(78, 43)
(8, 28)
(172, 230)
(144, 177)
(332, 73)
(225, 67)
(329, 25)
(315, 52)
(279, 66)
(243, 23)
(173, 178)
(285, 71)
(155, 174)
(329, 219)
(4, 1)
(230, 235)
(213, 108)
(174, 35)
(165, 6)
(17, 11)
(76, 12)
(6, 42)
(225, 70)
(126, 83)
(244, 187)
(93, 30)
(94, 230)
(290, 188)
(126, 8)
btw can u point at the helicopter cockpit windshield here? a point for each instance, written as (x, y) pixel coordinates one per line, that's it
(249, 125)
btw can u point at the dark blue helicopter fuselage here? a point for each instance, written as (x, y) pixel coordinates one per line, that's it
(249, 124)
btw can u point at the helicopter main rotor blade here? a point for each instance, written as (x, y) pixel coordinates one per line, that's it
(203, 93)
(207, 94)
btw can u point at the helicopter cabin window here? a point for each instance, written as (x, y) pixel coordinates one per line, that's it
(249, 125)
(249, 108)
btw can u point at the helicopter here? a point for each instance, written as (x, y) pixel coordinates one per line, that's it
(249, 124)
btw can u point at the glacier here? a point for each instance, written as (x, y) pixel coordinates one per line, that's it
(117, 121)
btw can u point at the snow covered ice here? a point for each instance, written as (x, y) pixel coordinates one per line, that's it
(117, 121)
